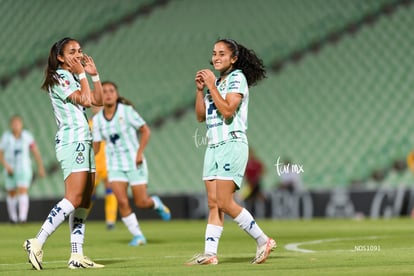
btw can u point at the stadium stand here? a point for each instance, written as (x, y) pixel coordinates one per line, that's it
(337, 113)
(38, 25)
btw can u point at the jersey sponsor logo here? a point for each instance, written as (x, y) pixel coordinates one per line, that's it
(214, 125)
(226, 167)
(235, 84)
(211, 108)
(113, 138)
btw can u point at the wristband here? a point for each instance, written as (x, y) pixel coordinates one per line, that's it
(82, 76)
(95, 78)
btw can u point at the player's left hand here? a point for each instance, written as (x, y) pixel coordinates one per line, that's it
(89, 65)
(139, 159)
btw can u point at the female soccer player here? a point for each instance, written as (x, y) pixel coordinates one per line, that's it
(118, 124)
(15, 147)
(70, 94)
(224, 109)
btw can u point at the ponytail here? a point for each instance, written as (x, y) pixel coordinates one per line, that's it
(51, 76)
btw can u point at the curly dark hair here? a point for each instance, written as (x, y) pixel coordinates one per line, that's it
(247, 61)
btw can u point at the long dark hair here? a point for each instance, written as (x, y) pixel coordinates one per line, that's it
(120, 99)
(51, 77)
(247, 61)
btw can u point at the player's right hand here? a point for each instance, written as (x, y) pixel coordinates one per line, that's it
(199, 81)
(75, 65)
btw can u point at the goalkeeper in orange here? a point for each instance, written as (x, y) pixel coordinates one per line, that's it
(101, 175)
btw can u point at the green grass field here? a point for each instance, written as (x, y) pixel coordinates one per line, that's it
(312, 247)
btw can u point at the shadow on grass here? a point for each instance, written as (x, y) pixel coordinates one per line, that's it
(247, 260)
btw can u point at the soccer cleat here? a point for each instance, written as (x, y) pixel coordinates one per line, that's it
(79, 261)
(110, 226)
(138, 240)
(203, 259)
(162, 210)
(34, 252)
(263, 251)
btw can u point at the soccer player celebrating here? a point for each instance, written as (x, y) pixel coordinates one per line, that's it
(70, 94)
(118, 124)
(224, 109)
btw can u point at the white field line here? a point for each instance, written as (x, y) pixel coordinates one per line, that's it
(295, 246)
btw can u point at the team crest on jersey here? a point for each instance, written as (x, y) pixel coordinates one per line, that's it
(80, 158)
(64, 83)
(222, 84)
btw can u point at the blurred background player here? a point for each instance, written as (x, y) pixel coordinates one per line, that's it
(101, 176)
(15, 147)
(410, 165)
(251, 193)
(118, 124)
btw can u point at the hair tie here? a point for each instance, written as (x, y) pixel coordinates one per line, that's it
(234, 43)
(59, 44)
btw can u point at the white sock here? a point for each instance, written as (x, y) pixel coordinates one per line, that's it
(23, 200)
(55, 218)
(70, 221)
(12, 207)
(156, 205)
(77, 235)
(212, 238)
(248, 224)
(131, 222)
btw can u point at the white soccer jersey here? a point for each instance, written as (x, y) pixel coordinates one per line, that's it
(218, 129)
(17, 150)
(70, 117)
(120, 134)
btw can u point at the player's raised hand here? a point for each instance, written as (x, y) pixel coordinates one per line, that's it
(199, 81)
(208, 78)
(89, 65)
(75, 65)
